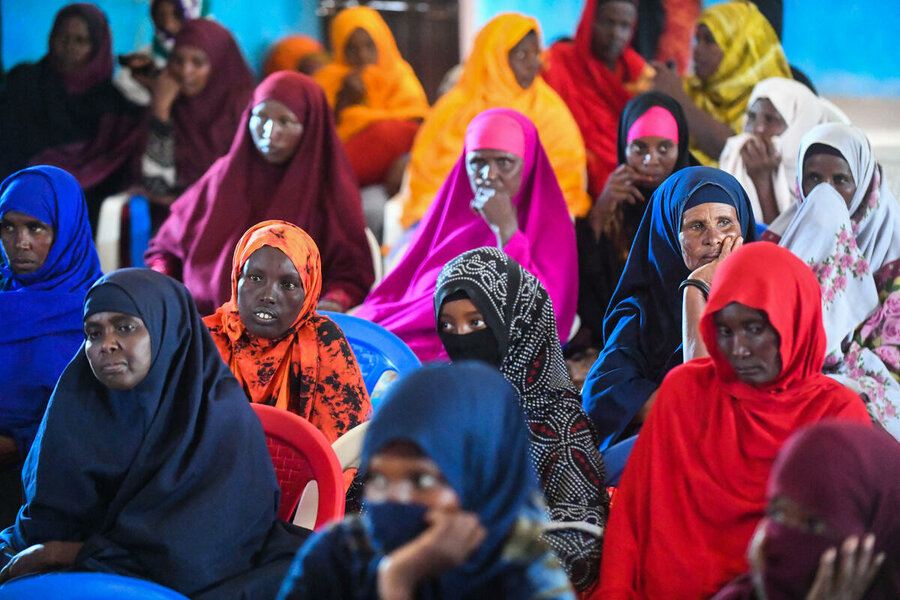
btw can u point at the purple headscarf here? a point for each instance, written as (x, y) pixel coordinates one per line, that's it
(544, 245)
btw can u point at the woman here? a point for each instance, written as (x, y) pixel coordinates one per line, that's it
(831, 526)
(196, 108)
(696, 477)
(489, 308)
(279, 349)
(444, 519)
(64, 110)
(596, 75)
(145, 494)
(694, 220)
(295, 53)
(652, 144)
(848, 230)
(502, 193)
(764, 157)
(503, 70)
(735, 49)
(378, 102)
(49, 262)
(286, 163)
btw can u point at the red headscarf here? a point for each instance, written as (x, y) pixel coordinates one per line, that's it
(694, 487)
(204, 125)
(315, 189)
(595, 94)
(311, 370)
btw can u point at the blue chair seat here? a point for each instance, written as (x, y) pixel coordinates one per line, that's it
(85, 586)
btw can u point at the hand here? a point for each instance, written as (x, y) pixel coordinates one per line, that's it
(9, 452)
(41, 558)
(620, 188)
(667, 80)
(854, 572)
(708, 271)
(165, 90)
(352, 92)
(761, 159)
(330, 305)
(495, 207)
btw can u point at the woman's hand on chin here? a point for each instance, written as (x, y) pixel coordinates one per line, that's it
(707, 272)
(40, 558)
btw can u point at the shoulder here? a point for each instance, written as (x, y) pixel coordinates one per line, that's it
(328, 331)
(688, 379)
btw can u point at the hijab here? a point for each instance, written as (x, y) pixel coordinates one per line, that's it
(642, 329)
(392, 90)
(287, 53)
(711, 436)
(204, 125)
(100, 63)
(517, 309)
(185, 10)
(315, 190)
(310, 370)
(487, 81)
(544, 244)
(146, 491)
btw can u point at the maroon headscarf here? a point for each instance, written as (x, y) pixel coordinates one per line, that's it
(100, 65)
(315, 190)
(205, 124)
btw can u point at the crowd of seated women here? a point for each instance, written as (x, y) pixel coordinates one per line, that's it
(697, 278)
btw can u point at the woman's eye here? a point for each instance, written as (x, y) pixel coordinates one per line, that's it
(289, 285)
(444, 325)
(90, 335)
(477, 323)
(723, 332)
(425, 481)
(254, 277)
(725, 222)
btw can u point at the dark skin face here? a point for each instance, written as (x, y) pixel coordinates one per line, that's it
(703, 230)
(749, 342)
(360, 49)
(613, 24)
(707, 53)
(830, 169)
(71, 44)
(26, 241)
(165, 18)
(525, 60)
(270, 293)
(276, 131)
(764, 120)
(191, 67)
(118, 349)
(402, 473)
(495, 169)
(460, 317)
(653, 157)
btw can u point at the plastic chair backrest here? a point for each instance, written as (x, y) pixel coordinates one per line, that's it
(377, 350)
(116, 213)
(614, 459)
(302, 455)
(85, 586)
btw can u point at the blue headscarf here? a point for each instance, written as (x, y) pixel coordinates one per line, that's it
(170, 480)
(466, 418)
(42, 310)
(642, 329)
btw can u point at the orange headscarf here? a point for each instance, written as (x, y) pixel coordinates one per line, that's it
(487, 81)
(311, 370)
(287, 53)
(392, 90)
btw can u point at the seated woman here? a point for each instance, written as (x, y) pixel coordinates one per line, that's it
(169, 478)
(652, 144)
(696, 477)
(695, 219)
(848, 230)
(503, 70)
(596, 75)
(286, 163)
(735, 49)
(764, 157)
(378, 102)
(64, 110)
(49, 262)
(195, 110)
(831, 527)
(502, 193)
(444, 519)
(489, 308)
(282, 352)
(296, 53)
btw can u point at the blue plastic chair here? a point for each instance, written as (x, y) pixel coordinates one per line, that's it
(377, 350)
(85, 586)
(139, 230)
(615, 457)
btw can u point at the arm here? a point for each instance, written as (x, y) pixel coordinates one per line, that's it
(158, 170)
(9, 452)
(761, 161)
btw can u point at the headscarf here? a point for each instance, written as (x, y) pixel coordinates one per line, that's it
(594, 93)
(517, 309)
(697, 474)
(751, 52)
(315, 190)
(163, 42)
(487, 81)
(544, 244)
(801, 110)
(466, 419)
(100, 64)
(144, 485)
(204, 125)
(310, 370)
(42, 310)
(642, 330)
(288, 52)
(392, 90)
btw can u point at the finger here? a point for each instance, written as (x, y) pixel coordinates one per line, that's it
(847, 566)
(824, 582)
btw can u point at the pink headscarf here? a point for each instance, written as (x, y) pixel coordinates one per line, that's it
(544, 244)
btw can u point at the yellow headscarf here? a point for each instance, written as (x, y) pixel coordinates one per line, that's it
(751, 53)
(487, 81)
(392, 89)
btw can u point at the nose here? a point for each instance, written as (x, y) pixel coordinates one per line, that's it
(268, 127)
(23, 240)
(650, 159)
(267, 293)
(714, 236)
(485, 172)
(759, 127)
(740, 348)
(108, 342)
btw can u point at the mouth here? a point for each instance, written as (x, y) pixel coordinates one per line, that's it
(114, 368)
(265, 316)
(747, 372)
